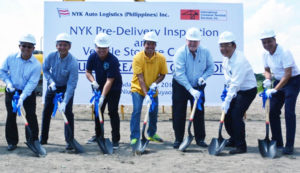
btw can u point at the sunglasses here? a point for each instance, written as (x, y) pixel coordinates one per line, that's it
(27, 46)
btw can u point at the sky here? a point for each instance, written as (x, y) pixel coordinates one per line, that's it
(26, 16)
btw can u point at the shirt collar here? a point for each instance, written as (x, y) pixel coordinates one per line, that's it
(149, 60)
(277, 51)
(233, 57)
(30, 59)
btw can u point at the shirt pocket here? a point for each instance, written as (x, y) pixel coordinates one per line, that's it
(64, 73)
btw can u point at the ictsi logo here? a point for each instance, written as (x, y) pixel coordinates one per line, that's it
(63, 12)
(189, 14)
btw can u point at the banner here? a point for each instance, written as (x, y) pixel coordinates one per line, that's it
(127, 22)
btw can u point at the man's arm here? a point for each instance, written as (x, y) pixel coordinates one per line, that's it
(285, 78)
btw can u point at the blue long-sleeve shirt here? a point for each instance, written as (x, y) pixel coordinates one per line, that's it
(21, 74)
(189, 69)
(62, 71)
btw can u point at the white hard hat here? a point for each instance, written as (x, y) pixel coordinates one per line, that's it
(102, 40)
(150, 36)
(193, 34)
(267, 34)
(64, 37)
(28, 38)
(226, 37)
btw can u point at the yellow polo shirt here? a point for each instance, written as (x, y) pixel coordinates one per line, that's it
(150, 67)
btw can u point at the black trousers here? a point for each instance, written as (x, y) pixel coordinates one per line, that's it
(48, 110)
(234, 123)
(112, 100)
(11, 129)
(180, 98)
(287, 96)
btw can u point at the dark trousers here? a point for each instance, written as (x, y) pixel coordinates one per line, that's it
(180, 98)
(112, 100)
(48, 110)
(287, 96)
(234, 123)
(11, 129)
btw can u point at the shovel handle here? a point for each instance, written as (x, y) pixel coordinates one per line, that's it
(267, 108)
(222, 117)
(147, 114)
(24, 118)
(64, 116)
(193, 110)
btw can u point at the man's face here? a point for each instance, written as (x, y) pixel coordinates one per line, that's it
(102, 51)
(63, 48)
(193, 45)
(269, 44)
(26, 49)
(149, 47)
(227, 49)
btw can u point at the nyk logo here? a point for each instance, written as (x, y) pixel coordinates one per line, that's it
(189, 14)
(63, 12)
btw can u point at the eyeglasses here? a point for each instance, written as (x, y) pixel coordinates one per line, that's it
(27, 46)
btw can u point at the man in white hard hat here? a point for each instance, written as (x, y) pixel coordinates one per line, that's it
(21, 72)
(149, 69)
(108, 80)
(193, 65)
(61, 72)
(280, 62)
(241, 91)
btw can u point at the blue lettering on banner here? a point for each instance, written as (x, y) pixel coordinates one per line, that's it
(126, 67)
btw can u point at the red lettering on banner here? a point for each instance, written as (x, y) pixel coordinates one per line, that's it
(189, 14)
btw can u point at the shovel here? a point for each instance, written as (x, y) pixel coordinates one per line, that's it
(266, 147)
(70, 139)
(217, 144)
(144, 142)
(104, 143)
(35, 145)
(187, 141)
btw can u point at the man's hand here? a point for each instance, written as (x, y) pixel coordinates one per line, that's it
(52, 86)
(269, 92)
(95, 85)
(267, 83)
(148, 99)
(201, 81)
(101, 101)
(195, 93)
(10, 88)
(153, 86)
(62, 107)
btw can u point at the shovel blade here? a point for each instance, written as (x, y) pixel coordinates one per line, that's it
(109, 146)
(40, 150)
(78, 148)
(136, 147)
(186, 142)
(216, 146)
(101, 144)
(144, 144)
(267, 148)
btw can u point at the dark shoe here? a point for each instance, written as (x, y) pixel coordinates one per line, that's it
(202, 144)
(237, 151)
(230, 143)
(115, 145)
(69, 147)
(288, 150)
(176, 144)
(11, 147)
(42, 142)
(91, 140)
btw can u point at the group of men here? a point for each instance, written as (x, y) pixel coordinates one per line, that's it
(193, 66)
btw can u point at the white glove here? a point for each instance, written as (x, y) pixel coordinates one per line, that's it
(62, 107)
(10, 88)
(269, 92)
(148, 100)
(195, 93)
(52, 86)
(153, 86)
(95, 85)
(201, 81)
(101, 101)
(267, 83)
(20, 103)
